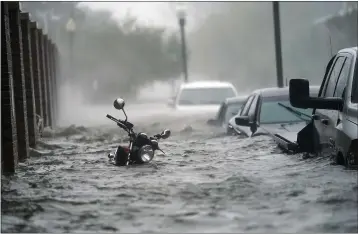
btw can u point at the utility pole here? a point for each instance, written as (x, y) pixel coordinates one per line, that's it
(182, 21)
(276, 23)
(71, 28)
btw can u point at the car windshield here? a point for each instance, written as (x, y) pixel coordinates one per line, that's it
(205, 96)
(274, 112)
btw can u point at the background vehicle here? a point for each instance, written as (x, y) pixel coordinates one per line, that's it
(203, 95)
(335, 115)
(268, 111)
(229, 108)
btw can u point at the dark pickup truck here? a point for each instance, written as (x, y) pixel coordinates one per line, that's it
(334, 123)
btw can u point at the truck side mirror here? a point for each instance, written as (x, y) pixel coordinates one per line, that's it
(242, 121)
(300, 97)
(299, 92)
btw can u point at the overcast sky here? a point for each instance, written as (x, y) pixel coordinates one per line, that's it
(157, 13)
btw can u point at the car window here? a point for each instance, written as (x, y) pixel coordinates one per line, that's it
(253, 107)
(355, 84)
(343, 78)
(272, 112)
(332, 79)
(355, 90)
(326, 73)
(245, 109)
(205, 96)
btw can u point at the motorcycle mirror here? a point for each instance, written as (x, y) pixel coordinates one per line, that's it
(118, 103)
(165, 134)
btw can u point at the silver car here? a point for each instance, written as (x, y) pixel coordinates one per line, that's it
(228, 108)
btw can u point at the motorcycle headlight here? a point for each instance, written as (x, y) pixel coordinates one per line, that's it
(146, 153)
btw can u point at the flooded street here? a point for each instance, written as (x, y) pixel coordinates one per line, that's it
(207, 182)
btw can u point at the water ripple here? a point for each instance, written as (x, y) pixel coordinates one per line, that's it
(207, 182)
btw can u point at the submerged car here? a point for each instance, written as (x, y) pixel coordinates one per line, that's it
(269, 112)
(229, 108)
(334, 123)
(202, 96)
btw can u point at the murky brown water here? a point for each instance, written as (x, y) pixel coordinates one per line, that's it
(208, 182)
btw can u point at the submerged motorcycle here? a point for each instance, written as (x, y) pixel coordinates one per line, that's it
(141, 148)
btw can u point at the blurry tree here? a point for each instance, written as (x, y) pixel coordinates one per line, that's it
(237, 43)
(118, 56)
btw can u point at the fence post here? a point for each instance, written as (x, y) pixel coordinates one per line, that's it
(43, 77)
(30, 95)
(48, 80)
(9, 154)
(36, 68)
(19, 80)
(56, 65)
(53, 81)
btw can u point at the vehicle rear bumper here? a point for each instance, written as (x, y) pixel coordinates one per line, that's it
(285, 144)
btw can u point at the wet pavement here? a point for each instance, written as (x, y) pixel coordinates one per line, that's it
(207, 182)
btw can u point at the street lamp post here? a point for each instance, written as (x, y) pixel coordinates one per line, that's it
(181, 18)
(71, 28)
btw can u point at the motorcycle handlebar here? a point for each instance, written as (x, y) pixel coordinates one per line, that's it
(164, 135)
(118, 121)
(125, 125)
(112, 118)
(157, 136)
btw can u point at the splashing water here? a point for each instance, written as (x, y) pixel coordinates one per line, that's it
(208, 182)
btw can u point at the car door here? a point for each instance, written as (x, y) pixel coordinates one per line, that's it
(346, 130)
(326, 120)
(244, 112)
(253, 113)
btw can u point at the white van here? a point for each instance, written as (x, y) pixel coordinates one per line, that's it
(203, 95)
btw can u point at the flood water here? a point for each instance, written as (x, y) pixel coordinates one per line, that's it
(206, 182)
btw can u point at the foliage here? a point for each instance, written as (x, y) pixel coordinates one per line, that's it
(119, 56)
(237, 43)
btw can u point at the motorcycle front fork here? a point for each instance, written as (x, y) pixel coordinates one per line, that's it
(129, 153)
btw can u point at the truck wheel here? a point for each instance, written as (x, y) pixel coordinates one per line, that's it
(352, 157)
(339, 159)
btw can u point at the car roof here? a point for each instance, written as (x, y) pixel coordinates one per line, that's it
(238, 99)
(272, 91)
(350, 49)
(207, 84)
(277, 92)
